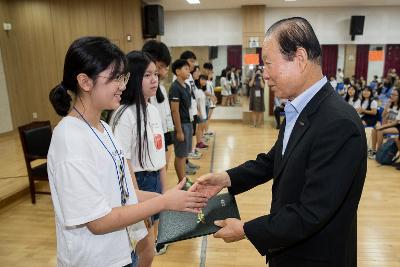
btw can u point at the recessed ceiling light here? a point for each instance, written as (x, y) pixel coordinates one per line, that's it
(290, 0)
(193, 2)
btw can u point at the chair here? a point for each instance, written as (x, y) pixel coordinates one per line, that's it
(35, 139)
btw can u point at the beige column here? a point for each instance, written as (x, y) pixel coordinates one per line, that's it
(350, 60)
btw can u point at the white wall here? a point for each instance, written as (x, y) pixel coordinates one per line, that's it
(203, 27)
(376, 67)
(332, 25)
(5, 114)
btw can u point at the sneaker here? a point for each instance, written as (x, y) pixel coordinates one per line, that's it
(160, 249)
(201, 145)
(197, 152)
(372, 155)
(192, 166)
(193, 155)
(190, 171)
(205, 139)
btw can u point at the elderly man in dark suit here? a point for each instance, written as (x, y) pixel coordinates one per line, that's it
(318, 164)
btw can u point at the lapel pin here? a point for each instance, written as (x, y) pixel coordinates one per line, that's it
(301, 123)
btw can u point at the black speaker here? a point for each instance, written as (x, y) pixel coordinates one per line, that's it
(212, 52)
(356, 26)
(153, 20)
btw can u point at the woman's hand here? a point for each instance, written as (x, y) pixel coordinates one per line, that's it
(180, 200)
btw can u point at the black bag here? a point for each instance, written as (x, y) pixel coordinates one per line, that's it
(387, 152)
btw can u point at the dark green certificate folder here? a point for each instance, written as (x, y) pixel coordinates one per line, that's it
(175, 225)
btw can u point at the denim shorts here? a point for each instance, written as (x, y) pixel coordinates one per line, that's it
(182, 149)
(135, 259)
(149, 181)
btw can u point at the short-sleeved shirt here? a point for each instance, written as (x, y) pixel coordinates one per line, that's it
(374, 104)
(84, 187)
(125, 131)
(178, 93)
(392, 113)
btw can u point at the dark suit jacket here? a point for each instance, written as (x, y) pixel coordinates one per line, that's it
(317, 186)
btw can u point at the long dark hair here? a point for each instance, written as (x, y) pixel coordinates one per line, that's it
(91, 56)
(355, 97)
(398, 99)
(138, 62)
(159, 52)
(371, 96)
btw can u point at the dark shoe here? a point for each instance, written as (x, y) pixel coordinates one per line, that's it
(160, 249)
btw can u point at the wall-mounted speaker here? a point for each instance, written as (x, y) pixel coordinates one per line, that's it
(153, 23)
(356, 26)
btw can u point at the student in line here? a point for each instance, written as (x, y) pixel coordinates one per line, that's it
(160, 54)
(225, 89)
(96, 206)
(190, 57)
(208, 69)
(138, 128)
(180, 100)
(201, 106)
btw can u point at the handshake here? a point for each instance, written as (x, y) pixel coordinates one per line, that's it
(202, 190)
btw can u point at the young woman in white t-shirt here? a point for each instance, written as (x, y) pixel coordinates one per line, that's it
(390, 122)
(352, 98)
(97, 215)
(369, 108)
(137, 126)
(226, 89)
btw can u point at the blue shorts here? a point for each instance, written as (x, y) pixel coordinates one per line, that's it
(134, 258)
(149, 181)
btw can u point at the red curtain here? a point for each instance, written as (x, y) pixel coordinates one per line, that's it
(235, 56)
(329, 60)
(362, 61)
(259, 52)
(392, 58)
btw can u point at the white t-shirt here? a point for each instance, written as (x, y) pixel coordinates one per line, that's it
(339, 77)
(201, 103)
(126, 133)
(355, 104)
(226, 88)
(333, 83)
(165, 111)
(374, 104)
(192, 86)
(392, 113)
(84, 187)
(364, 105)
(210, 90)
(398, 117)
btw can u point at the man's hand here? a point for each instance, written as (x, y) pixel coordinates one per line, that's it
(211, 184)
(231, 231)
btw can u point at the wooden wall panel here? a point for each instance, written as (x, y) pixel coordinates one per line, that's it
(42, 31)
(253, 23)
(350, 60)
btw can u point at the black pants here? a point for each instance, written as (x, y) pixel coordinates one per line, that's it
(277, 113)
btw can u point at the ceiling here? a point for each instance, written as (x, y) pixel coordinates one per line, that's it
(170, 5)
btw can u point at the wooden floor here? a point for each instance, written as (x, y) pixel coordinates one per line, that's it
(27, 232)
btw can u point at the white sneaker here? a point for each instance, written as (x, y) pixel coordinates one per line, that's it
(160, 249)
